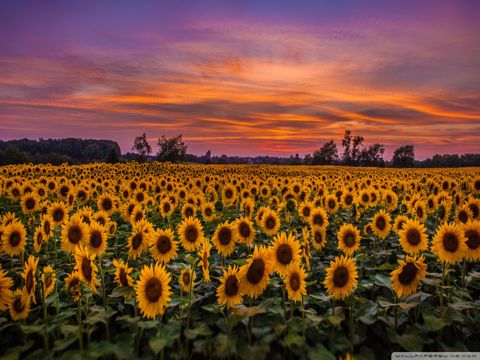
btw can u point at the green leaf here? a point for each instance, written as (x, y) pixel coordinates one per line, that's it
(200, 330)
(293, 338)
(244, 311)
(157, 344)
(320, 352)
(382, 280)
(433, 323)
(410, 342)
(336, 320)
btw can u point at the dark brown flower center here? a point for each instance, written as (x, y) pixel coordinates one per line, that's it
(189, 212)
(58, 214)
(306, 211)
(331, 204)
(244, 230)
(463, 216)
(284, 254)
(15, 238)
(295, 281)
(348, 200)
(87, 268)
(225, 236)
(420, 212)
(340, 276)
(208, 211)
(164, 244)
(107, 204)
(408, 274)
(18, 305)
(191, 233)
(153, 289)
(74, 234)
(122, 275)
(413, 237)
(96, 239)
(39, 238)
(166, 207)
(380, 223)
(475, 210)
(450, 242)
(46, 227)
(137, 241)
(29, 281)
(349, 239)
(317, 237)
(186, 278)
(318, 219)
(270, 222)
(473, 239)
(256, 271)
(228, 193)
(365, 198)
(30, 203)
(231, 286)
(400, 224)
(64, 190)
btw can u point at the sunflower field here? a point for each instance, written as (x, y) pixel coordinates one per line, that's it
(239, 261)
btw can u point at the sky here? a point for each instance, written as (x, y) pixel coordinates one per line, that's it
(244, 77)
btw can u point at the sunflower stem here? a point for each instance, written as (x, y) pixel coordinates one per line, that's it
(104, 296)
(396, 313)
(80, 324)
(45, 322)
(464, 273)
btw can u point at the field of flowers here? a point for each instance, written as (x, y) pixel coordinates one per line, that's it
(183, 261)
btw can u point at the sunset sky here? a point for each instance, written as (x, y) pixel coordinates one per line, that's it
(244, 77)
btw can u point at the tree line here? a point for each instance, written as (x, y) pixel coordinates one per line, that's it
(354, 152)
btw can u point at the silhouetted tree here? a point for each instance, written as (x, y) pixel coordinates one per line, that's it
(352, 148)
(142, 147)
(171, 149)
(373, 155)
(113, 157)
(404, 156)
(326, 155)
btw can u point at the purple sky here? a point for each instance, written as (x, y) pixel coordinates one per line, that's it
(244, 77)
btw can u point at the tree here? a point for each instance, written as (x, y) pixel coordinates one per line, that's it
(404, 156)
(352, 148)
(327, 154)
(113, 156)
(373, 155)
(171, 149)
(142, 147)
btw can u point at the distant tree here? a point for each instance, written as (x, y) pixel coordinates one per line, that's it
(352, 148)
(13, 155)
(307, 160)
(142, 147)
(171, 149)
(294, 160)
(113, 156)
(404, 156)
(326, 155)
(373, 155)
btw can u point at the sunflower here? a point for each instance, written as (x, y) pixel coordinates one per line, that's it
(270, 222)
(153, 290)
(138, 240)
(74, 233)
(229, 195)
(38, 239)
(247, 207)
(463, 214)
(254, 276)
(86, 267)
(28, 276)
(13, 238)
(413, 237)
(162, 245)
(106, 202)
(304, 210)
(400, 220)
(204, 254)
(101, 217)
(348, 239)
(319, 237)
(19, 306)
(341, 277)
(381, 224)
(97, 238)
(284, 250)
(74, 286)
(208, 211)
(187, 279)
(407, 276)
(48, 280)
(228, 293)
(191, 234)
(449, 243)
(166, 208)
(57, 212)
(472, 233)
(245, 230)
(331, 203)
(30, 203)
(318, 217)
(5, 293)
(224, 238)
(294, 279)
(188, 210)
(122, 271)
